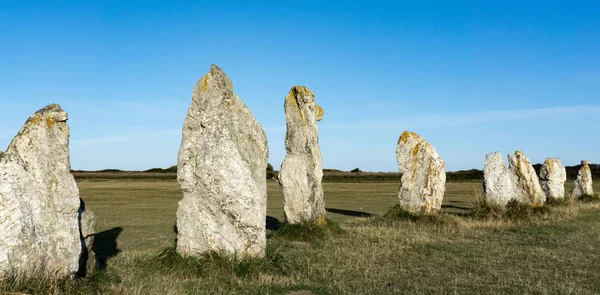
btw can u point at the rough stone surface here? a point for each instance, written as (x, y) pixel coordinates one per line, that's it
(583, 182)
(423, 180)
(39, 200)
(221, 171)
(301, 171)
(552, 178)
(527, 180)
(499, 182)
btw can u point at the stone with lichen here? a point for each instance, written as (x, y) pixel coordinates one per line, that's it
(552, 178)
(530, 190)
(583, 182)
(423, 175)
(40, 209)
(301, 171)
(499, 182)
(221, 172)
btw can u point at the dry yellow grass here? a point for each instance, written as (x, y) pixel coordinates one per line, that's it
(554, 253)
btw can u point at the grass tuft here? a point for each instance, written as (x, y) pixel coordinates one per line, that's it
(309, 231)
(95, 283)
(515, 210)
(213, 264)
(559, 202)
(519, 211)
(589, 198)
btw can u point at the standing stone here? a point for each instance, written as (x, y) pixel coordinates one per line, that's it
(583, 182)
(553, 176)
(499, 182)
(423, 180)
(301, 171)
(40, 212)
(221, 171)
(527, 179)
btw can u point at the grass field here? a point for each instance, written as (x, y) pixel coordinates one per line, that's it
(556, 252)
(143, 211)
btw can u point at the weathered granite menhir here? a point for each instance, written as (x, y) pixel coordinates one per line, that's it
(423, 181)
(221, 170)
(301, 171)
(517, 182)
(44, 227)
(499, 182)
(583, 182)
(552, 178)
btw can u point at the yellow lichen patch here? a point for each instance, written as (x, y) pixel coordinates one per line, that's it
(291, 99)
(406, 135)
(320, 112)
(302, 90)
(586, 167)
(49, 122)
(415, 160)
(321, 222)
(36, 119)
(548, 164)
(205, 84)
(427, 206)
(415, 151)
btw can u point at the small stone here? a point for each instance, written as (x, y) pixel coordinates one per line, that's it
(40, 206)
(423, 175)
(499, 182)
(221, 172)
(301, 171)
(553, 176)
(527, 179)
(583, 182)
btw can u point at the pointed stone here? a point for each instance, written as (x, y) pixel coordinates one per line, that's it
(221, 172)
(527, 179)
(301, 171)
(583, 182)
(40, 231)
(552, 178)
(423, 180)
(499, 182)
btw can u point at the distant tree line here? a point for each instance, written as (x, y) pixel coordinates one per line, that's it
(329, 175)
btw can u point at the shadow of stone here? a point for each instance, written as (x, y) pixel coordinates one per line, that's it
(350, 212)
(273, 223)
(465, 211)
(456, 207)
(105, 246)
(84, 257)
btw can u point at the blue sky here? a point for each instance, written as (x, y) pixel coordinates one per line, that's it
(472, 77)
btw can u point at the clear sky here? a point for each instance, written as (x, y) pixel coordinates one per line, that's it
(472, 77)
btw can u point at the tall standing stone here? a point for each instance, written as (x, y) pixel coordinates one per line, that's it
(527, 180)
(553, 176)
(583, 182)
(301, 171)
(221, 171)
(499, 182)
(40, 210)
(423, 175)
